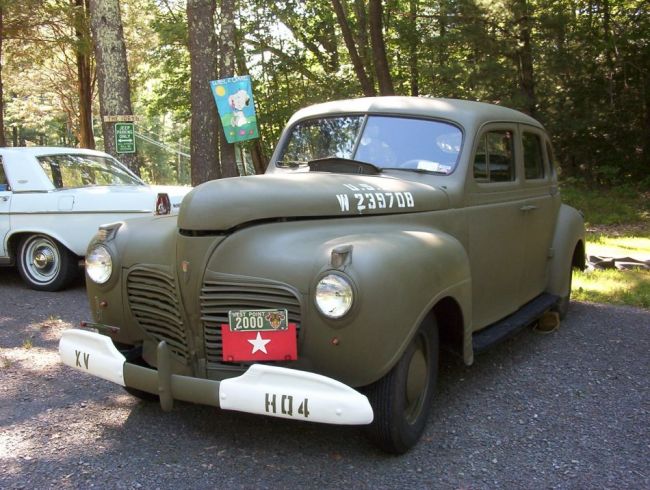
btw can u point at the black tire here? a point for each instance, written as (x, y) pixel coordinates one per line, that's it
(44, 264)
(142, 395)
(134, 356)
(402, 399)
(562, 305)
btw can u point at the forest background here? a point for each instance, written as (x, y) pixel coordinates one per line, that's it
(580, 67)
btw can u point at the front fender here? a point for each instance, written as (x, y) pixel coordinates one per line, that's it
(398, 275)
(142, 242)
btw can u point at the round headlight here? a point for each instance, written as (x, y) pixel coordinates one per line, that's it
(334, 296)
(99, 264)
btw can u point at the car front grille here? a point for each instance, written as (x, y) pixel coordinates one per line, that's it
(227, 293)
(154, 303)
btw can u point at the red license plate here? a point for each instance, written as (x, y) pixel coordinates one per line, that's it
(259, 335)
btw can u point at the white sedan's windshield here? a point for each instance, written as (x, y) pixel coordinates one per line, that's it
(70, 170)
(384, 141)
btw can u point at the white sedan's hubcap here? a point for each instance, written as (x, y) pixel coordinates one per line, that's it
(41, 260)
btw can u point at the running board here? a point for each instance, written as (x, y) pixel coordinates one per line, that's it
(501, 330)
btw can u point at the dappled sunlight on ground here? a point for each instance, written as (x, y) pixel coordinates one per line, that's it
(630, 287)
(64, 433)
(635, 247)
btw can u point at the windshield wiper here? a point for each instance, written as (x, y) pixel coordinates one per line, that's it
(292, 163)
(343, 165)
(417, 170)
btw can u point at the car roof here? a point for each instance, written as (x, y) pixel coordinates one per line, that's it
(469, 114)
(36, 151)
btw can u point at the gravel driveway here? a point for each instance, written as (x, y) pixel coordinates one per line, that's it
(563, 410)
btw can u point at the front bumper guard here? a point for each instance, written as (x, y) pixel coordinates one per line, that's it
(262, 389)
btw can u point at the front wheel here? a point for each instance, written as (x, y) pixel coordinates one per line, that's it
(401, 400)
(45, 264)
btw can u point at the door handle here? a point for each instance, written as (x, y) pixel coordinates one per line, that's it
(528, 207)
(5, 198)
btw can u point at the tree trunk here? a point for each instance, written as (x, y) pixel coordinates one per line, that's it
(413, 40)
(525, 58)
(84, 82)
(227, 59)
(205, 124)
(379, 48)
(363, 43)
(112, 72)
(644, 162)
(260, 161)
(365, 82)
(3, 142)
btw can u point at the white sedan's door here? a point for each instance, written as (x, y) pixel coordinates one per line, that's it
(5, 203)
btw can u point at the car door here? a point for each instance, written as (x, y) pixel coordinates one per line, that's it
(5, 204)
(541, 208)
(494, 201)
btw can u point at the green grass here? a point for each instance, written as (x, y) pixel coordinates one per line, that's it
(622, 287)
(618, 246)
(618, 224)
(616, 287)
(623, 205)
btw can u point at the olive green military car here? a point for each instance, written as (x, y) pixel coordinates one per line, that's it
(384, 230)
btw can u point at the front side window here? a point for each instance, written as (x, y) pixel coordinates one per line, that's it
(494, 160)
(66, 171)
(533, 156)
(387, 142)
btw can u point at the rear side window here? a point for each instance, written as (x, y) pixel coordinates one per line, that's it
(495, 160)
(551, 157)
(533, 156)
(4, 184)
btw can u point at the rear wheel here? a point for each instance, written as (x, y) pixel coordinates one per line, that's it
(401, 400)
(562, 305)
(45, 264)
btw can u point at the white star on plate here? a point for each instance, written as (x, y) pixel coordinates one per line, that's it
(259, 344)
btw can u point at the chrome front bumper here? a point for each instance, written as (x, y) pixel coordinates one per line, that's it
(262, 389)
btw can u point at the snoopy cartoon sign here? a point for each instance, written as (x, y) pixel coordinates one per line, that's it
(234, 99)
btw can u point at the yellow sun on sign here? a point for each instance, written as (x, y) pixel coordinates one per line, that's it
(220, 91)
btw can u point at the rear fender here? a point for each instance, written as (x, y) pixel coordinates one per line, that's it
(569, 236)
(14, 237)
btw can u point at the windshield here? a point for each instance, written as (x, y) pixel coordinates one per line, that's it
(65, 171)
(384, 141)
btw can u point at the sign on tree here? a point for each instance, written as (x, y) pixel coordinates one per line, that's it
(125, 137)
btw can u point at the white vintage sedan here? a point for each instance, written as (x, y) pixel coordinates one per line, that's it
(52, 200)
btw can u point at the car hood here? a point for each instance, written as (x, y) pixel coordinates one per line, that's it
(223, 204)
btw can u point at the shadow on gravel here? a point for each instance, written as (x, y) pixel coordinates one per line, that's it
(564, 409)
(232, 434)
(29, 316)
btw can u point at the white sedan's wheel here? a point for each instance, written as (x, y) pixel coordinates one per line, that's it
(45, 264)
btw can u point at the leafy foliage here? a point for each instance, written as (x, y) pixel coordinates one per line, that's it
(582, 67)
(620, 205)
